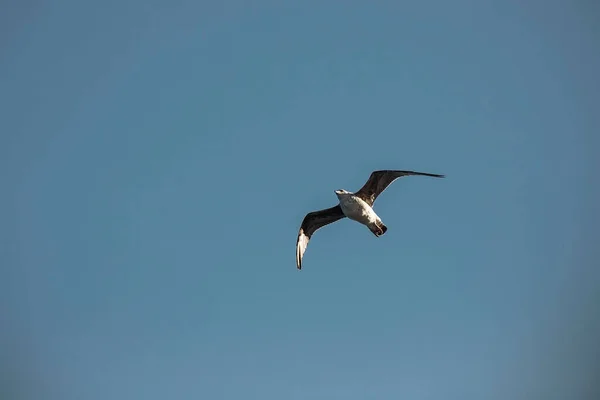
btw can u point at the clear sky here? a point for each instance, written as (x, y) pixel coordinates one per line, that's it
(157, 158)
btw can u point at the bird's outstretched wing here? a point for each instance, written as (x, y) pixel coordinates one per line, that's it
(310, 224)
(380, 180)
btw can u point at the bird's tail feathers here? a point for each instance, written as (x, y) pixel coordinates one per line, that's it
(378, 229)
(383, 228)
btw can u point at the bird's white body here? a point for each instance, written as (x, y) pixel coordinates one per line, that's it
(357, 209)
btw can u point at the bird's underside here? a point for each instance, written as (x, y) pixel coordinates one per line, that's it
(378, 181)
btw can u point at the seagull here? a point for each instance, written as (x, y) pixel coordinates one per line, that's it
(356, 206)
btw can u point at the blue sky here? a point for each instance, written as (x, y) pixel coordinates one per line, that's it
(157, 159)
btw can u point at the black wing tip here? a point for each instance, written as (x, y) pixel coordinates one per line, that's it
(427, 174)
(407, 172)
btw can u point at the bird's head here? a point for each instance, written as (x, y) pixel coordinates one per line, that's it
(341, 192)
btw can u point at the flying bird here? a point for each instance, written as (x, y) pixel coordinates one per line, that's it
(356, 206)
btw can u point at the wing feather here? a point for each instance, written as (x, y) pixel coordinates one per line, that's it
(312, 222)
(380, 180)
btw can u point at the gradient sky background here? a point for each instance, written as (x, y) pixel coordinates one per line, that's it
(157, 158)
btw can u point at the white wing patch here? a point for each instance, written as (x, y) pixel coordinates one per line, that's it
(301, 248)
